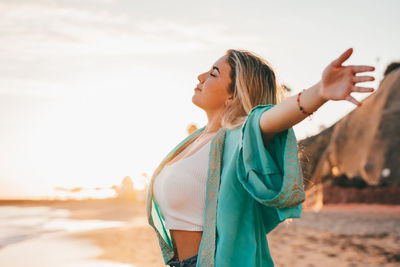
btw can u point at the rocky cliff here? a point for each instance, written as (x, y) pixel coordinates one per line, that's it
(361, 149)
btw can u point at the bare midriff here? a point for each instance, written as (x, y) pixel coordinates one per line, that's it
(187, 243)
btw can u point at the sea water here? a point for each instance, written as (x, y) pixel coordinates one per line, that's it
(38, 236)
(21, 223)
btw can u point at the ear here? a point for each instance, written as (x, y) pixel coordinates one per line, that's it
(228, 101)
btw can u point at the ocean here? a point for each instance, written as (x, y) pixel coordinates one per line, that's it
(38, 236)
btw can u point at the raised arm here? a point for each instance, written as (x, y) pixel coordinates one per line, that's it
(337, 83)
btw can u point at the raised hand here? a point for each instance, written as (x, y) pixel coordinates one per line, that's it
(339, 81)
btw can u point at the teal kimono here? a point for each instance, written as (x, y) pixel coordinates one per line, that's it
(251, 188)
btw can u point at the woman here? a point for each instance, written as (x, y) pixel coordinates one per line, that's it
(218, 193)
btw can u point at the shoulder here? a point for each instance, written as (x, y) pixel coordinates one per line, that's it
(252, 121)
(258, 110)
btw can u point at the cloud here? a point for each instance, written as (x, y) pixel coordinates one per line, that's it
(47, 46)
(35, 23)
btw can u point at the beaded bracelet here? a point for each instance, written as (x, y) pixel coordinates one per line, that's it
(300, 107)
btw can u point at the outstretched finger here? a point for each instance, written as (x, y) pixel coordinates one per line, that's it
(343, 57)
(360, 79)
(362, 89)
(353, 100)
(361, 68)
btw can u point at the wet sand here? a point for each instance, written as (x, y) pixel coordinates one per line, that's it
(338, 235)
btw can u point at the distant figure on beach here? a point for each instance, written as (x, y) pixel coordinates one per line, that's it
(221, 190)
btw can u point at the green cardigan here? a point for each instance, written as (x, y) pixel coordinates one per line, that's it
(250, 190)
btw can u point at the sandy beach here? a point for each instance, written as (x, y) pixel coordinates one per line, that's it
(337, 235)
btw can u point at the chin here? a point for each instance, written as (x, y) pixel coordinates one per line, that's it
(196, 102)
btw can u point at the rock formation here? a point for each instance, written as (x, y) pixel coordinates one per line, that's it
(126, 190)
(362, 146)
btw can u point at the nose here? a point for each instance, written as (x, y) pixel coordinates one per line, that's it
(201, 77)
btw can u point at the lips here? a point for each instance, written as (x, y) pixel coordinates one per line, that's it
(197, 89)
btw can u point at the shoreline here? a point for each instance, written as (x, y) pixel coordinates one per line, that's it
(338, 234)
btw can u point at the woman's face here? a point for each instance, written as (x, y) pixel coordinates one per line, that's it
(212, 92)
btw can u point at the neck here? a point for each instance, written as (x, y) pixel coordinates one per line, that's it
(214, 121)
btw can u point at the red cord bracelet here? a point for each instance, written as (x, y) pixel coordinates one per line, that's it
(300, 107)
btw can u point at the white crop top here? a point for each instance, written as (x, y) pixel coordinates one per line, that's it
(180, 191)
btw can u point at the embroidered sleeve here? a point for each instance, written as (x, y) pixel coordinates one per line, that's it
(272, 175)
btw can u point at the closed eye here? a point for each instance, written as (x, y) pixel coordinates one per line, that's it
(212, 75)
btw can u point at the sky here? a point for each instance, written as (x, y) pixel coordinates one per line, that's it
(92, 91)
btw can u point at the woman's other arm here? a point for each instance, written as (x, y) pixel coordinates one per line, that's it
(337, 83)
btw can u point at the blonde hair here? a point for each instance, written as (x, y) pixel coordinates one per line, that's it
(253, 83)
